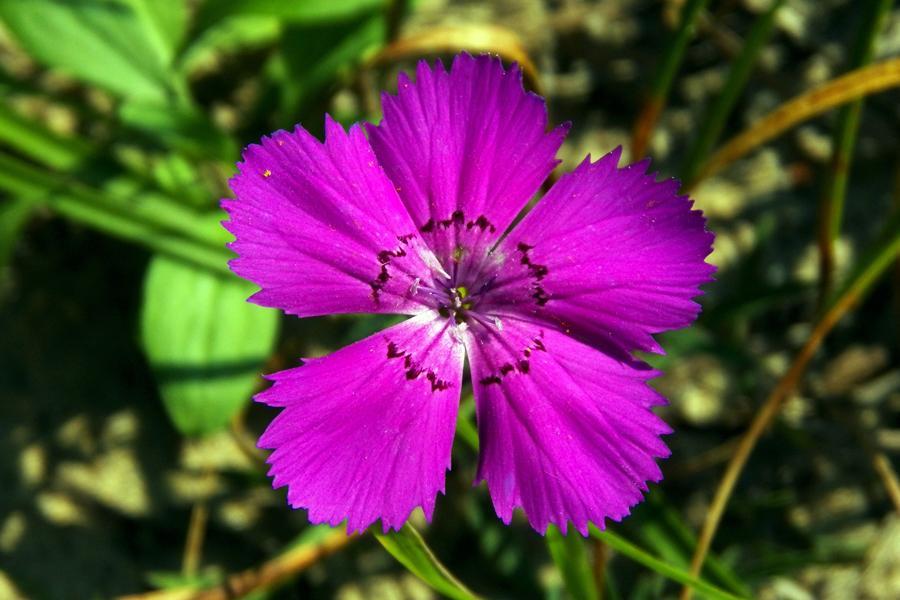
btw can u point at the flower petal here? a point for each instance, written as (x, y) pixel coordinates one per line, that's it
(609, 256)
(466, 150)
(566, 431)
(320, 228)
(366, 431)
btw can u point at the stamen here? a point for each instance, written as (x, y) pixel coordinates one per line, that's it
(486, 321)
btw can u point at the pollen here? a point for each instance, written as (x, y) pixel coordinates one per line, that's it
(266, 173)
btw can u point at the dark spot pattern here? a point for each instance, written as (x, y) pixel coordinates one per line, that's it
(536, 271)
(522, 366)
(413, 370)
(482, 223)
(458, 218)
(384, 257)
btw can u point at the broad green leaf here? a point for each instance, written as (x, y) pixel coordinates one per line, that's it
(123, 46)
(206, 344)
(571, 560)
(298, 11)
(408, 547)
(654, 564)
(165, 22)
(314, 56)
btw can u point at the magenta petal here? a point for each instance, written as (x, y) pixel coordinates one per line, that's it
(466, 151)
(366, 431)
(320, 228)
(566, 431)
(608, 255)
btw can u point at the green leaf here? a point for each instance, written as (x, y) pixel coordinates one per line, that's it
(298, 11)
(205, 342)
(408, 547)
(124, 46)
(571, 560)
(314, 55)
(237, 33)
(654, 564)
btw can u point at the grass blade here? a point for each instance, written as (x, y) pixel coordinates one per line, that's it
(711, 127)
(831, 203)
(873, 262)
(659, 90)
(408, 547)
(654, 564)
(571, 560)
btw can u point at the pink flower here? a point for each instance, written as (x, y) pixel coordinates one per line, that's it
(412, 222)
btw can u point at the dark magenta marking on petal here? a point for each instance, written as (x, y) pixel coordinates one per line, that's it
(413, 371)
(522, 365)
(404, 239)
(482, 223)
(427, 227)
(536, 271)
(436, 384)
(455, 218)
(384, 257)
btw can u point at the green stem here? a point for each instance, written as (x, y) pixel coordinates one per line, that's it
(665, 75)
(654, 564)
(831, 203)
(741, 68)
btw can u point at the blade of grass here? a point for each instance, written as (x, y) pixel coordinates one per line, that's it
(856, 84)
(152, 208)
(711, 127)
(571, 560)
(658, 566)
(880, 254)
(663, 531)
(151, 221)
(408, 547)
(665, 75)
(40, 144)
(831, 202)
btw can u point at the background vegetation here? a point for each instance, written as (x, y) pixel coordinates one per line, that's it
(128, 355)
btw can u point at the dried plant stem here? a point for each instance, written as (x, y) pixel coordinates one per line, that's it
(888, 476)
(453, 39)
(758, 426)
(193, 546)
(665, 75)
(601, 557)
(265, 577)
(856, 84)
